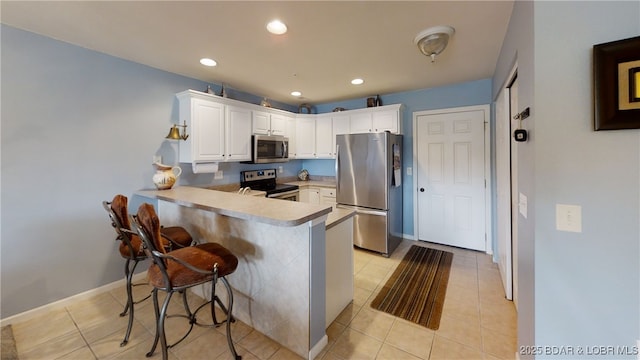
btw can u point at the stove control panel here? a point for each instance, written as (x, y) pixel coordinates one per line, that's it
(254, 175)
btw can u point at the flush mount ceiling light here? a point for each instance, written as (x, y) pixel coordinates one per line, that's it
(433, 41)
(357, 81)
(296, 93)
(277, 27)
(208, 62)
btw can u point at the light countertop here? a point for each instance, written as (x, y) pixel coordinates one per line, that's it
(337, 216)
(318, 183)
(271, 211)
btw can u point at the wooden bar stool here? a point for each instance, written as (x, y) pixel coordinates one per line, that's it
(132, 250)
(181, 269)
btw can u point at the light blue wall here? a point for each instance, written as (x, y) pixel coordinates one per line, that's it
(576, 289)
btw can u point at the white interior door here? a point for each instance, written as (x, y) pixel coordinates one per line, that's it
(513, 95)
(450, 177)
(503, 186)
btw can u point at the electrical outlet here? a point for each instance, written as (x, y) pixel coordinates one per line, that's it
(409, 171)
(280, 169)
(218, 175)
(157, 159)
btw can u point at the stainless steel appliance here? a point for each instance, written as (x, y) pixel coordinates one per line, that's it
(265, 180)
(269, 149)
(369, 181)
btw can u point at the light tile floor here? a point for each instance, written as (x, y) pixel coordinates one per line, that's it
(477, 323)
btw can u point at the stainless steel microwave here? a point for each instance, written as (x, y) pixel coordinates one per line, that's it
(269, 149)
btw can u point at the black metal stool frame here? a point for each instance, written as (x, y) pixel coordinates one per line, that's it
(161, 314)
(124, 235)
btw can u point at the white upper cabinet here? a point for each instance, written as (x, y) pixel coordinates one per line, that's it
(340, 124)
(324, 135)
(220, 128)
(305, 137)
(217, 132)
(279, 124)
(291, 134)
(378, 119)
(205, 126)
(261, 122)
(238, 133)
(360, 123)
(265, 123)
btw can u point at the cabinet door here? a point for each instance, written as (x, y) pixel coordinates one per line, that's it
(314, 196)
(305, 138)
(291, 134)
(279, 124)
(260, 122)
(324, 134)
(207, 130)
(328, 196)
(340, 126)
(385, 121)
(238, 134)
(360, 123)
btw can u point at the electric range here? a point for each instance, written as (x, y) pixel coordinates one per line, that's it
(265, 180)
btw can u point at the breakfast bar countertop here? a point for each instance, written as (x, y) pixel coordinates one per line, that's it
(270, 211)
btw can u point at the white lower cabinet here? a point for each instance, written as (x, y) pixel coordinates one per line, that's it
(310, 195)
(339, 269)
(328, 196)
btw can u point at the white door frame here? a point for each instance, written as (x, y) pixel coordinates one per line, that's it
(487, 167)
(507, 179)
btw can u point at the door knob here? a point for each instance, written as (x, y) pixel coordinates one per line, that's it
(421, 189)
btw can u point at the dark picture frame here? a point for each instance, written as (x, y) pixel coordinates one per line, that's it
(616, 84)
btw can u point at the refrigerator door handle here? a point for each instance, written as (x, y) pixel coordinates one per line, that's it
(361, 210)
(337, 169)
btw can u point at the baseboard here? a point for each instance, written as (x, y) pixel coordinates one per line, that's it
(29, 314)
(317, 348)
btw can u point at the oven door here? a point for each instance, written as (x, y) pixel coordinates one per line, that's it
(270, 149)
(287, 195)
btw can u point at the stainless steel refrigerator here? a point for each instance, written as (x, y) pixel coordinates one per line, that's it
(369, 181)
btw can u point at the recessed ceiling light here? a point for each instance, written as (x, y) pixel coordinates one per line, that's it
(296, 93)
(357, 81)
(208, 62)
(277, 27)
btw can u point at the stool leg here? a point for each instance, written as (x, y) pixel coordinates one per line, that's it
(163, 316)
(230, 308)
(154, 292)
(128, 276)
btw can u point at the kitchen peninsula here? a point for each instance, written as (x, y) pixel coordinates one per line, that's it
(280, 283)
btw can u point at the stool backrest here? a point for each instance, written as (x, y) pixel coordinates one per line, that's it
(147, 225)
(130, 244)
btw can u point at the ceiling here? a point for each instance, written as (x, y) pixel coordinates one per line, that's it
(328, 43)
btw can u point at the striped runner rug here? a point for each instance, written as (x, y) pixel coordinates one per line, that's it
(416, 289)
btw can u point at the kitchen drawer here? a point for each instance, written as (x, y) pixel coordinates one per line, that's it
(328, 192)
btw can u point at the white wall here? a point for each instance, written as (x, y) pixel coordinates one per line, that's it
(585, 286)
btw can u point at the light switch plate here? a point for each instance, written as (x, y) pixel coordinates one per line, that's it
(569, 218)
(409, 171)
(218, 175)
(522, 205)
